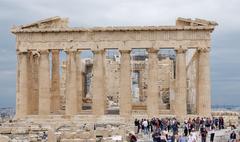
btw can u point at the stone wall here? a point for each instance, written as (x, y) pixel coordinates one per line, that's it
(112, 74)
(230, 117)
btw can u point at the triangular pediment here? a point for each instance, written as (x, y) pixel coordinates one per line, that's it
(53, 22)
(197, 22)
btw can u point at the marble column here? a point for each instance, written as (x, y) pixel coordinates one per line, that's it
(30, 83)
(44, 83)
(98, 83)
(35, 68)
(181, 83)
(153, 98)
(125, 84)
(204, 86)
(79, 81)
(172, 91)
(22, 85)
(55, 87)
(140, 85)
(71, 84)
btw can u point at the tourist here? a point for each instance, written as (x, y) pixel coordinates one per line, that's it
(142, 127)
(175, 126)
(149, 126)
(145, 126)
(158, 124)
(44, 136)
(216, 122)
(233, 137)
(132, 137)
(212, 134)
(194, 134)
(156, 136)
(203, 132)
(221, 123)
(174, 138)
(190, 128)
(208, 124)
(137, 126)
(185, 128)
(182, 138)
(192, 138)
(163, 137)
(197, 123)
(169, 124)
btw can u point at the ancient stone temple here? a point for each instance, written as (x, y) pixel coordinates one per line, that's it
(149, 70)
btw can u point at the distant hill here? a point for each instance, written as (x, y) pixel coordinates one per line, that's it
(226, 107)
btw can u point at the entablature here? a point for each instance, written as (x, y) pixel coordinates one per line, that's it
(54, 33)
(128, 45)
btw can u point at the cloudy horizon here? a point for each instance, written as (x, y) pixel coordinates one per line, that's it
(225, 53)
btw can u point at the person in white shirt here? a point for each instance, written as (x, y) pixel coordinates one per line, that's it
(145, 125)
(212, 134)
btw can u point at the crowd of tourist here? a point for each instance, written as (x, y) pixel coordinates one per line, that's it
(171, 130)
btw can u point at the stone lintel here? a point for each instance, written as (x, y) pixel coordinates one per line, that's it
(128, 45)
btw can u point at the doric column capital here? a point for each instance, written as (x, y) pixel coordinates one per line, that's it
(203, 49)
(124, 51)
(44, 51)
(35, 53)
(180, 49)
(79, 51)
(152, 50)
(70, 50)
(21, 52)
(55, 50)
(98, 51)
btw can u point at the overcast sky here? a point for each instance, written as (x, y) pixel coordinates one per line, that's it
(225, 53)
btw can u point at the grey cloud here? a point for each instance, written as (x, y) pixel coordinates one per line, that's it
(225, 60)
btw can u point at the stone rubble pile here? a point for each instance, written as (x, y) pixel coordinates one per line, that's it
(77, 132)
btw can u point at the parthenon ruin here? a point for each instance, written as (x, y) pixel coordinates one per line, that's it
(150, 70)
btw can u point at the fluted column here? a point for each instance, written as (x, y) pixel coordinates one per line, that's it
(30, 83)
(55, 87)
(79, 80)
(71, 84)
(153, 98)
(98, 83)
(125, 84)
(140, 82)
(22, 85)
(181, 83)
(44, 83)
(34, 57)
(204, 86)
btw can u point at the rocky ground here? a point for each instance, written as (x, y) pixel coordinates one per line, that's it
(86, 129)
